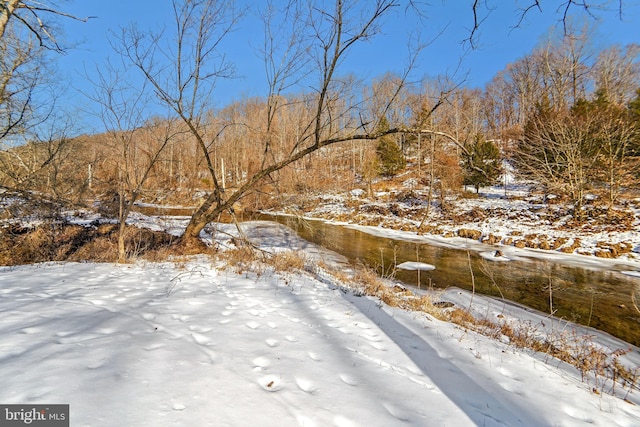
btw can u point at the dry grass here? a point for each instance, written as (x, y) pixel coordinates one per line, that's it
(288, 261)
(600, 367)
(61, 241)
(245, 257)
(597, 365)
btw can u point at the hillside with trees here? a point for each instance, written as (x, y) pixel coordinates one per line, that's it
(564, 119)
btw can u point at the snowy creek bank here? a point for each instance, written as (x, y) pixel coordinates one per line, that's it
(585, 290)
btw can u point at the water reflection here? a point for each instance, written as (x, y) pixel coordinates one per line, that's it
(601, 299)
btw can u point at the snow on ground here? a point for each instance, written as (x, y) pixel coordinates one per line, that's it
(191, 343)
(512, 214)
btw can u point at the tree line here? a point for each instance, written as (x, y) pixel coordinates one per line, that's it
(566, 116)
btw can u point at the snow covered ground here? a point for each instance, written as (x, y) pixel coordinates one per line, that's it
(515, 216)
(193, 344)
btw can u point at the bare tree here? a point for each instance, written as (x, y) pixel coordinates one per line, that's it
(564, 9)
(617, 73)
(33, 138)
(183, 75)
(560, 151)
(22, 71)
(617, 135)
(36, 19)
(319, 37)
(136, 142)
(304, 41)
(565, 61)
(34, 132)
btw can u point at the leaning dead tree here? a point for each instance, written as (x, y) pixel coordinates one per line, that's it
(317, 41)
(304, 42)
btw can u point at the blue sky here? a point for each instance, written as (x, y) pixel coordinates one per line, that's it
(499, 43)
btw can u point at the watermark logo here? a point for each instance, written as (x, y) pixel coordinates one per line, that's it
(34, 415)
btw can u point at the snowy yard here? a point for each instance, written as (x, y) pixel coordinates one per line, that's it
(191, 344)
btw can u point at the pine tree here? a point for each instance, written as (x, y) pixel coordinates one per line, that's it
(390, 157)
(483, 164)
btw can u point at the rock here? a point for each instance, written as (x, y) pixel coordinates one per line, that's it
(468, 233)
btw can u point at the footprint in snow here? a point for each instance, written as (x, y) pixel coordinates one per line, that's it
(314, 356)
(349, 379)
(261, 363)
(202, 329)
(363, 325)
(96, 364)
(306, 385)
(252, 325)
(340, 421)
(270, 383)
(271, 342)
(396, 411)
(154, 346)
(378, 346)
(183, 318)
(201, 339)
(252, 304)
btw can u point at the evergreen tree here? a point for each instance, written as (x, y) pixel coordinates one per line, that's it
(390, 157)
(483, 164)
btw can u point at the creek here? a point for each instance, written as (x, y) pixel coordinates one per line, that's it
(592, 296)
(601, 298)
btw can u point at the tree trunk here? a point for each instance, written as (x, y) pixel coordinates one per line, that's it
(122, 219)
(5, 15)
(190, 240)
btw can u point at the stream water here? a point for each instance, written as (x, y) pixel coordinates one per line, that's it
(593, 297)
(596, 297)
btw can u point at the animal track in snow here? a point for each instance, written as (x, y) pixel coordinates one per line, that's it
(261, 363)
(362, 325)
(341, 421)
(270, 383)
(348, 379)
(252, 325)
(196, 303)
(314, 356)
(396, 412)
(154, 346)
(378, 346)
(306, 385)
(201, 329)
(201, 339)
(272, 342)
